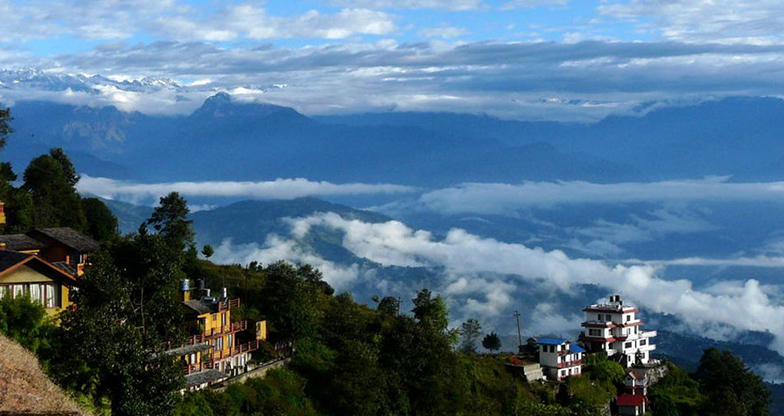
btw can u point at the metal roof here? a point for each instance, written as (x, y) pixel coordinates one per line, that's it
(205, 376)
(69, 237)
(576, 348)
(551, 341)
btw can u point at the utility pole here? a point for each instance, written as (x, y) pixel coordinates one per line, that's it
(519, 335)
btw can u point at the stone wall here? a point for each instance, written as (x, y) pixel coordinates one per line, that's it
(258, 372)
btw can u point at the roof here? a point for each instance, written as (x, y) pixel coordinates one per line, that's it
(205, 376)
(551, 341)
(70, 238)
(199, 306)
(10, 260)
(637, 374)
(189, 349)
(627, 399)
(576, 348)
(20, 242)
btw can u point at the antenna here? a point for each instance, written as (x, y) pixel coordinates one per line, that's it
(519, 335)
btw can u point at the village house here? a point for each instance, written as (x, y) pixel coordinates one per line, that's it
(615, 329)
(560, 358)
(632, 404)
(25, 274)
(61, 246)
(213, 351)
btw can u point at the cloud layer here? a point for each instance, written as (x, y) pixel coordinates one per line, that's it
(482, 275)
(500, 198)
(277, 189)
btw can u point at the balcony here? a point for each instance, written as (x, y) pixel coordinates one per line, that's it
(223, 330)
(235, 350)
(567, 364)
(228, 304)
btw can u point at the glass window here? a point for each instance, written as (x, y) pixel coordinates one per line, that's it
(36, 292)
(19, 290)
(4, 291)
(51, 295)
(600, 317)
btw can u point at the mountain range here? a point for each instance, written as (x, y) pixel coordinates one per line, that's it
(230, 139)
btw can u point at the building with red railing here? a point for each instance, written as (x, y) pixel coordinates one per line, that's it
(614, 328)
(560, 358)
(214, 351)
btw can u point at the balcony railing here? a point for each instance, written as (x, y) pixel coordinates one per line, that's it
(222, 330)
(229, 304)
(566, 364)
(235, 350)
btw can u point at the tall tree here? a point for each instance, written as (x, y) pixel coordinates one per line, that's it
(470, 331)
(51, 183)
(101, 222)
(112, 343)
(431, 311)
(170, 219)
(291, 300)
(730, 386)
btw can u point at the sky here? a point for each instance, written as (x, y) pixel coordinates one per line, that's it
(518, 59)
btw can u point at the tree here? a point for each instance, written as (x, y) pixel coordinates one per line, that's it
(492, 342)
(50, 181)
(111, 345)
(291, 304)
(470, 331)
(207, 251)
(730, 386)
(101, 222)
(170, 219)
(5, 126)
(431, 311)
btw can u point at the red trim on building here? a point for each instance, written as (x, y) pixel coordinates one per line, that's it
(627, 399)
(610, 310)
(599, 324)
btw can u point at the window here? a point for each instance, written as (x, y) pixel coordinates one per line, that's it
(594, 332)
(51, 295)
(600, 317)
(628, 345)
(19, 290)
(628, 318)
(643, 342)
(4, 291)
(36, 292)
(609, 318)
(223, 319)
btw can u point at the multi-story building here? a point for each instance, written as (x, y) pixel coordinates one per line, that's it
(560, 358)
(614, 328)
(214, 343)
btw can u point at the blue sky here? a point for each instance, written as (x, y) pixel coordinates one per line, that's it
(523, 59)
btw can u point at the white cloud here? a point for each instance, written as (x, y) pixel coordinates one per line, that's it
(443, 32)
(487, 271)
(500, 198)
(277, 189)
(732, 21)
(456, 5)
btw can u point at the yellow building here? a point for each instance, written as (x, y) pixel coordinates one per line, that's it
(25, 274)
(213, 343)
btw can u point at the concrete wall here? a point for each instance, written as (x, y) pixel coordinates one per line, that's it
(258, 372)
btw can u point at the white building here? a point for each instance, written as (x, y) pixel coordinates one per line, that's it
(560, 358)
(614, 328)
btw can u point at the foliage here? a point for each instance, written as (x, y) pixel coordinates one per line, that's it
(676, 394)
(111, 343)
(492, 342)
(101, 222)
(50, 180)
(24, 321)
(730, 387)
(207, 251)
(5, 126)
(170, 219)
(281, 392)
(470, 331)
(430, 311)
(292, 297)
